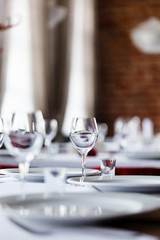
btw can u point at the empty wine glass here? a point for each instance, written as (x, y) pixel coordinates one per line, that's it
(23, 138)
(102, 132)
(83, 135)
(121, 131)
(50, 131)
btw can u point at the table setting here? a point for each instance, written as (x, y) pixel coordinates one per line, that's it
(46, 198)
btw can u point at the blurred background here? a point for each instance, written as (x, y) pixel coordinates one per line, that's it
(81, 58)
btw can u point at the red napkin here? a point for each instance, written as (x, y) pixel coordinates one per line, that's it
(92, 152)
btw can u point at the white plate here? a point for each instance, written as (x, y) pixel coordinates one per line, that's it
(121, 183)
(38, 173)
(77, 207)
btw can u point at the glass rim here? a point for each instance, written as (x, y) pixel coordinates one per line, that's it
(108, 159)
(84, 118)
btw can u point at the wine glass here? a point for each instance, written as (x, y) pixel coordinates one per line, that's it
(121, 130)
(102, 132)
(23, 138)
(83, 135)
(50, 131)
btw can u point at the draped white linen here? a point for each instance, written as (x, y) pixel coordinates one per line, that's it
(51, 60)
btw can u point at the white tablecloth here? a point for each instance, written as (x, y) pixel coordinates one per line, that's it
(73, 160)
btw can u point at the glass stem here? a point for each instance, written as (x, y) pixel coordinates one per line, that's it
(84, 165)
(23, 170)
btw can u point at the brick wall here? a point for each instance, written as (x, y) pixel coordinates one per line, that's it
(128, 81)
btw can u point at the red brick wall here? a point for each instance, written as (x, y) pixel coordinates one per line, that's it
(128, 81)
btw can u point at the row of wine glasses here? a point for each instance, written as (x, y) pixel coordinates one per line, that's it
(24, 135)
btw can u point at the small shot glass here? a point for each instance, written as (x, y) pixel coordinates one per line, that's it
(108, 167)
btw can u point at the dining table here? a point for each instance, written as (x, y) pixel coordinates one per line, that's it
(138, 219)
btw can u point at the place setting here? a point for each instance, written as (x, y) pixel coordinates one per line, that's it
(80, 136)
(108, 181)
